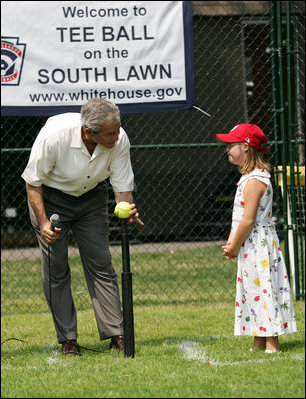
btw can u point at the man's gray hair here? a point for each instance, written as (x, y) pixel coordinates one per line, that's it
(98, 111)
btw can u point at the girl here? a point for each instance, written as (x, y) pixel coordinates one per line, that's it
(263, 301)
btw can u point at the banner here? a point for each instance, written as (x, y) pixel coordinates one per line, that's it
(56, 55)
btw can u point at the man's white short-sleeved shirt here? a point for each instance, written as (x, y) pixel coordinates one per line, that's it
(60, 159)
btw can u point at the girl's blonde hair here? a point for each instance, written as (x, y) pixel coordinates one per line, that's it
(253, 160)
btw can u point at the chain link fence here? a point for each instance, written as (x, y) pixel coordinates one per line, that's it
(184, 183)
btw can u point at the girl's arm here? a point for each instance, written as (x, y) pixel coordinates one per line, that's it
(253, 192)
(229, 240)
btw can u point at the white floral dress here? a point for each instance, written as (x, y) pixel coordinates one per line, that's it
(263, 300)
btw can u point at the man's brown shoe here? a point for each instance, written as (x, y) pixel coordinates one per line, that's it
(117, 342)
(70, 348)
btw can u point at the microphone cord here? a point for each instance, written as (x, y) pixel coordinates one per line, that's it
(53, 314)
(54, 219)
(16, 339)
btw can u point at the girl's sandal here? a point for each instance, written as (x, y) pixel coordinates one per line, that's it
(271, 351)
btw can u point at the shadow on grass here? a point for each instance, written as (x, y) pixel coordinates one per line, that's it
(10, 351)
(292, 345)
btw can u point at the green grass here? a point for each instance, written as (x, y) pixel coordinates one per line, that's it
(185, 348)
(182, 351)
(163, 277)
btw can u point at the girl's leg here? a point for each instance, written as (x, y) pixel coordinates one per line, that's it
(259, 343)
(272, 344)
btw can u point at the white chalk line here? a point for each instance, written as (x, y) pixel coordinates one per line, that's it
(192, 351)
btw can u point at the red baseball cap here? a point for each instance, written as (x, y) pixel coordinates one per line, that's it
(246, 133)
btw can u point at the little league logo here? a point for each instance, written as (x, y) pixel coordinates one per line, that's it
(12, 56)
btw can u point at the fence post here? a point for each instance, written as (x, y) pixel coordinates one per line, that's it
(278, 109)
(292, 217)
(299, 157)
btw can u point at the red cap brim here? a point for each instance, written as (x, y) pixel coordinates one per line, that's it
(230, 138)
(227, 138)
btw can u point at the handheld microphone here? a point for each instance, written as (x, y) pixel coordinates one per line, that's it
(54, 220)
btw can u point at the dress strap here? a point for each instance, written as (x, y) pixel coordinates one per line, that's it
(259, 174)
